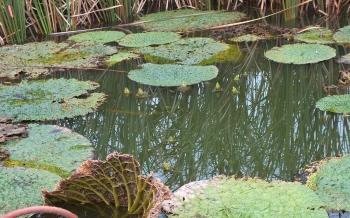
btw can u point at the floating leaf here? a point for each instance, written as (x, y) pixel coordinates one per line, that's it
(223, 197)
(300, 53)
(32, 58)
(98, 36)
(343, 35)
(319, 36)
(345, 59)
(116, 182)
(335, 103)
(246, 38)
(188, 20)
(150, 38)
(186, 51)
(172, 75)
(119, 57)
(330, 181)
(48, 100)
(20, 187)
(54, 148)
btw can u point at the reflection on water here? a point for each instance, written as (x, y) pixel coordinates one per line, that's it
(270, 129)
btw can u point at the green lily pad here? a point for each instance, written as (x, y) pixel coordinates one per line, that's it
(345, 59)
(300, 53)
(53, 148)
(119, 57)
(32, 58)
(150, 38)
(319, 36)
(335, 103)
(250, 198)
(342, 36)
(186, 51)
(246, 38)
(48, 100)
(172, 75)
(20, 187)
(331, 183)
(98, 36)
(188, 20)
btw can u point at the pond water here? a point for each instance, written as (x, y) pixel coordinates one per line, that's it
(270, 129)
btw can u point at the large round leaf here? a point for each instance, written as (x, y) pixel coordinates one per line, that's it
(300, 53)
(319, 36)
(343, 35)
(172, 75)
(98, 36)
(335, 103)
(150, 38)
(48, 100)
(186, 51)
(188, 20)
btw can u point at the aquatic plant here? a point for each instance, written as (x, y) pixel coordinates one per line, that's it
(342, 36)
(40, 209)
(172, 75)
(49, 100)
(230, 197)
(188, 20)
(40, 57)
(329, 180)
(148, 38)
(335, 104)
(116, 182)
(187, 51)
(98, 36)
(345, 59)
(246, 38)
(300, 53)
(119, 57)
(319, 36)
(141, 94)
(37, 162)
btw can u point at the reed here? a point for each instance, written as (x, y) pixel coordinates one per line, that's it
(49, 16)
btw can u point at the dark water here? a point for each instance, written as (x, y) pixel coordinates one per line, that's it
(270, 129)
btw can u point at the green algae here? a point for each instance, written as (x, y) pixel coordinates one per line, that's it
(172, 74)
(251, 198)
(148, 38)
(188, 20)
(319, 36)
(48, 100)
(300, 53)
(331, 183)
(98, 36)
(335, 104)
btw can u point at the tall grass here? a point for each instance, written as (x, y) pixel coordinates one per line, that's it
(49, 16)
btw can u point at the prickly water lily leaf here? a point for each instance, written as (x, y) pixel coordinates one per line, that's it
(172, 75)
(319, 36)
(119, 57)
(49, 100)
(53, 148)
(188, 20)
(246, 38)
(250, 198)
(187, 51)
(116, 182)
(150, 38)
(345, 59)
(300, 53)
(32, 58)
(335, 104)
(330, 181)
(98, 36)
(343, 35)
(20, 187)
